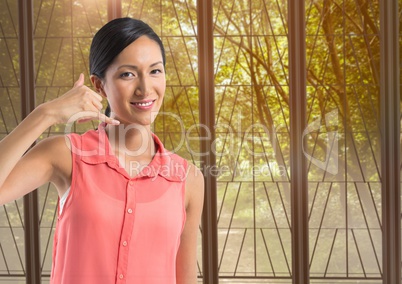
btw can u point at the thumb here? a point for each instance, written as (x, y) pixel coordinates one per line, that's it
(80, 81)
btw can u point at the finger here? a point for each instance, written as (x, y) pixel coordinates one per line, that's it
(108, 120)
(80, 81)
(83, 120)
(98, 105)
(85, 116)
(99, 97)
(93, 93)
(92, 115)
(90, 95)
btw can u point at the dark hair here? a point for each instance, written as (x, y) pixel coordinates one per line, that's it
(115, 36)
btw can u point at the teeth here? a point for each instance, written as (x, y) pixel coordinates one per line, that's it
(144, 104)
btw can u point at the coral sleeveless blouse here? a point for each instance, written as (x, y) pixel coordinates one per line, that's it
(118, 229)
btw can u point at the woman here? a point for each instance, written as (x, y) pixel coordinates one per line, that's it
(129, 210)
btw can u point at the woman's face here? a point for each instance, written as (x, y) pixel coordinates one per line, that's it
(135, 83)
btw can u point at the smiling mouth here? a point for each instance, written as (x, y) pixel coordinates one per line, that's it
(143, 104)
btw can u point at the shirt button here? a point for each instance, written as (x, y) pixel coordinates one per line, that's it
(129, 211)
(124, 243)
(121, 276)
(131, 183)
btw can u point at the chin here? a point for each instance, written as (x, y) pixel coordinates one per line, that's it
(141, 122)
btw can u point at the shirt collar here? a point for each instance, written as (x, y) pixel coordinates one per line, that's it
(96, 149)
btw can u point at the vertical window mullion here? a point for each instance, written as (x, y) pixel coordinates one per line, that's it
(390, 138)
(298, 169)
(113, 9)
(207, 131)
(27, 90)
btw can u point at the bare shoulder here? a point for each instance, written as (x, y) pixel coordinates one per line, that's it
(55, 148)
(194, 185)
(186, 261)
(193, 172)
(48, 161)
(56, 151)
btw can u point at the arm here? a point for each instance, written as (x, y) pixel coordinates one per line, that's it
(49, 160)
(20, 175)
(186, 262)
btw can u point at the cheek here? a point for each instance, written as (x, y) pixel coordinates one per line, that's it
(162, 90)
(120, 91)
(162, 93)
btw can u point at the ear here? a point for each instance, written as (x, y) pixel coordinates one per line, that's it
(98, 85)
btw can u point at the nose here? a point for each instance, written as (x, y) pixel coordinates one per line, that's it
(143, 88)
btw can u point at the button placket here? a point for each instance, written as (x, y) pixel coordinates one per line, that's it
(127, 230)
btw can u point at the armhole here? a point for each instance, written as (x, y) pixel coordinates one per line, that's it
(63, 199)
(183, 195)
(67, 197)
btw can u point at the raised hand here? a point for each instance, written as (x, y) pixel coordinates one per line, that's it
(78, 104)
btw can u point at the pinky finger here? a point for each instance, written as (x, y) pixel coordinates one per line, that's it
(85, 116)
(82, 116)
(108, 120)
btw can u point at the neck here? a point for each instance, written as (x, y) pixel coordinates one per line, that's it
(131, 140)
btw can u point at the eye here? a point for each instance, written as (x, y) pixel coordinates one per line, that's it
(126, 75)
(156, 71)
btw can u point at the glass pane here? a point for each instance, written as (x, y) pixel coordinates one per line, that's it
(12, 249)
(343, 139)
(252, 140)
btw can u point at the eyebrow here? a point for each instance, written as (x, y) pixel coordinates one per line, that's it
(136, 67)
